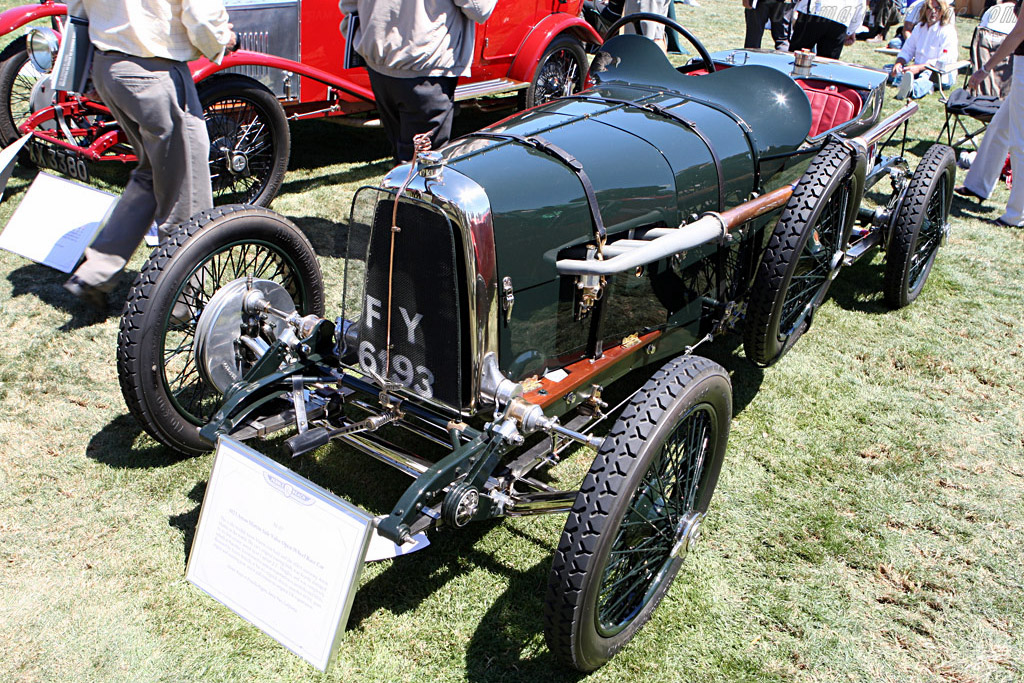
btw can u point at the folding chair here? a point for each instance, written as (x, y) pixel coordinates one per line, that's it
(963, 107)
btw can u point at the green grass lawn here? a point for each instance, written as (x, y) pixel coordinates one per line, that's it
(868, 524)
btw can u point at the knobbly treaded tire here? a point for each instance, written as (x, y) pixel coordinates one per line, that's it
(667, 447)
(17, 78)
(155, 361)
(804, 254)
(562, 70)
(918, 228)
(247, 127)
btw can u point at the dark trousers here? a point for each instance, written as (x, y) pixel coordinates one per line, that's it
(780, 14)
(410, 106)
(823, 35)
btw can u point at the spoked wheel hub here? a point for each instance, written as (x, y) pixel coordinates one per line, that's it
(232, 330)
(687, 533)
(558, 76)
(236, 162)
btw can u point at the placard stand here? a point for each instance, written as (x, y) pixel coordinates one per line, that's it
(279, 551)
(56, 237)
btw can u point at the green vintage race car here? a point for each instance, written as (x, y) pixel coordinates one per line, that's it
(495, 287)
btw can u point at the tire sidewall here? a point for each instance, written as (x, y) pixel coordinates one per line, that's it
(708, 387)
(911, 217)
(775, 344)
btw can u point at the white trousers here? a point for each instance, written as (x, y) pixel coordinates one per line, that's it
(1004, 134)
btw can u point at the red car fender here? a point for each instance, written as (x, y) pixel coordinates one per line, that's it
(203, 68)
(16, 17)
(541, 36)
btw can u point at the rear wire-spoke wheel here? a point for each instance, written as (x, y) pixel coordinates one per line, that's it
(919, 226)
(561, 71)
(638, 512)
(803, 256)
(17, 79)
(156, 363)
(249, 140)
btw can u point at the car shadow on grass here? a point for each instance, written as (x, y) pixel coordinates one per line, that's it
(116, 446)
(187, 522)
(367, 173)
(504, 646)
(411, 579)
(746, 377)
(322, 142)
(503, 643)
(974, 209)
(859, 288)
(330, 239)
(45, 284)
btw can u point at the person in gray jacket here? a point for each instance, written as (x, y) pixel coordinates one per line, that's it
(140, 70)
(415, 52)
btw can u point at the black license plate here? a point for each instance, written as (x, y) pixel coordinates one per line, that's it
(68, 163)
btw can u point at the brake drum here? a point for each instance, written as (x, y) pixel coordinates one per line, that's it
(223, 353)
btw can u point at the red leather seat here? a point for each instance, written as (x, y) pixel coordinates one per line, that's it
(831, 105)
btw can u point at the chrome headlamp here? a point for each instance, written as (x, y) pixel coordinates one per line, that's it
(42, 45)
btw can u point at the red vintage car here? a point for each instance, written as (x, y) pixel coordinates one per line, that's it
(289, 68)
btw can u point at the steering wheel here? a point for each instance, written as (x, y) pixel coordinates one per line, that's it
(637, 17)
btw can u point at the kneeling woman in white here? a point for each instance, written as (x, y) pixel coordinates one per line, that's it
(933, 41)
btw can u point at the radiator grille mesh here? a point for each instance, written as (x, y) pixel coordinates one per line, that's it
(426, 336)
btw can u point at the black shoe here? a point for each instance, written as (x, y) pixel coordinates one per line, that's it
(965, 191)
(87, 294)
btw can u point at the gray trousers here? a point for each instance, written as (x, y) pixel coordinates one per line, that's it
(156, 104)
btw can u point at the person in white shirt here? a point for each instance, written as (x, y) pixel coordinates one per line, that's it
(825, 26)
(932, 43)
(999, 17)
(139, 70)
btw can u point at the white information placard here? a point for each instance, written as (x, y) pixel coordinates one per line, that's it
(279, 551)
(56, 220)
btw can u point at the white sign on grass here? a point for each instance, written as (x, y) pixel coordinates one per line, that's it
(279, 551)
(56, 220)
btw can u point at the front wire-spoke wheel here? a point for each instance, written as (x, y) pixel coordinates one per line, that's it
(249, 140)
(919, 227)
(156, 356)
(638, 513)
(802, 258)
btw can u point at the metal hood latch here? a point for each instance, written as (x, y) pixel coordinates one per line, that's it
(508, 298)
